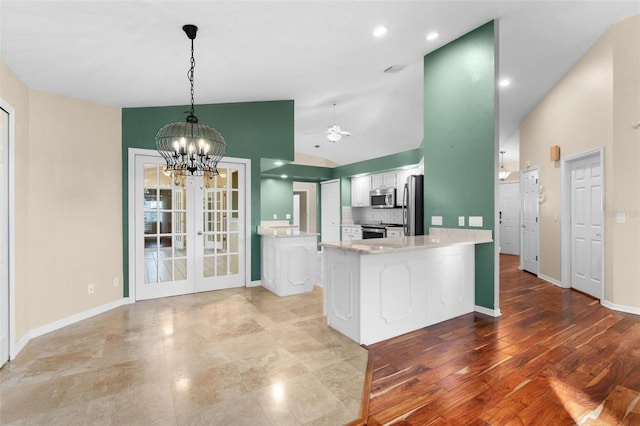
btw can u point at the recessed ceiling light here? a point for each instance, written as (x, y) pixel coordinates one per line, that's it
(278, 163)
(505, 82)
(432, 36)
(284, 176)
(380, 31)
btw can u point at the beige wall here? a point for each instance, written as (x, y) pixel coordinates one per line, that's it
(312, 160)
(68, 206)
(583, 112)
(311, 188)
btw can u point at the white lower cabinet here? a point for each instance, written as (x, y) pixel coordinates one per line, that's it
(350, 233)
(289, 264)
(395, 233)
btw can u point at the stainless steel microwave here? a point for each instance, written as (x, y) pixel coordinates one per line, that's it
(383, 198)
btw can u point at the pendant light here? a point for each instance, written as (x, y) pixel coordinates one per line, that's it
(503, 173)
(190, 147)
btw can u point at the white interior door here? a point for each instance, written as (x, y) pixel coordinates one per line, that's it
(330, 211)
(586, 226)
(509, 218)
(530, 223)
(4, 237)
(296, 209)
(189, 232)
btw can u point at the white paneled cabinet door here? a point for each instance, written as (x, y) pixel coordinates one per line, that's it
(586, 226)
(530, 221)
(360, 187)
(189, 231)
(509, 217)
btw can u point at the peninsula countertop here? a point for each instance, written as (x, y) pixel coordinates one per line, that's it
(285, 233)
(438, 237)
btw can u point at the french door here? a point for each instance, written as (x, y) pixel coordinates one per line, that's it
(189, 231)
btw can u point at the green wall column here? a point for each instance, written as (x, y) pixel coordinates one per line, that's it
(459, 142)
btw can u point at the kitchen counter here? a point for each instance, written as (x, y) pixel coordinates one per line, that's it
(377, 289)
(439, 237)
(285, 233)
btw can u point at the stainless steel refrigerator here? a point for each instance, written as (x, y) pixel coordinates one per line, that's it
(413, 206)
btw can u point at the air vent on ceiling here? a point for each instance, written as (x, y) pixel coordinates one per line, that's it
(394, 69)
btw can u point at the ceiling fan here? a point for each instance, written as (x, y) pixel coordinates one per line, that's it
(335, 132)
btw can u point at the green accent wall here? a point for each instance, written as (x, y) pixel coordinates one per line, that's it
(252, 130)
(380, 164)
(460, 140)
(277, 198)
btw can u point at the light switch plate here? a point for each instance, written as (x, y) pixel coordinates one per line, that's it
(436, 220)
(287, 216)
(475, 220)
(621, 217)
(275, 216)
(460, 220)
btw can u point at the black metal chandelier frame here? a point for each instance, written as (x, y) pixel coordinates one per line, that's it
(189, 147)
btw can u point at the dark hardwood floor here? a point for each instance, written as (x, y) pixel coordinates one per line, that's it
(555, 357)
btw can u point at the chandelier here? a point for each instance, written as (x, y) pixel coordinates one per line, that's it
(190, 147)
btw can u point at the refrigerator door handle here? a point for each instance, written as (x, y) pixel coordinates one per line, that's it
(405, 224)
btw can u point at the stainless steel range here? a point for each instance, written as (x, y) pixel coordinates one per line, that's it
(378, 230)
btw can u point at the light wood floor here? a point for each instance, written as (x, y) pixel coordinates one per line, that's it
(555, 357)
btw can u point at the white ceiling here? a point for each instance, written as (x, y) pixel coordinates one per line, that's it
(134, 53)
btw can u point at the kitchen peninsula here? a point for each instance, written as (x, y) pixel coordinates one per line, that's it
(289, 258)
(380, 288)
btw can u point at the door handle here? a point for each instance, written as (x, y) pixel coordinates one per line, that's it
(200, 232)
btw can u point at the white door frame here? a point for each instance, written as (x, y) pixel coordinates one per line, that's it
(10, 291)
(133, 152)
(306, 191)
(566, 166)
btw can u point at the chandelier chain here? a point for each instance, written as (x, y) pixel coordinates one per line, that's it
(190, 74)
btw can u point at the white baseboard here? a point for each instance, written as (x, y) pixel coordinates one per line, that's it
(56, 325)
(491, 312)
(550, 280)
(256, 283)
(621, 308)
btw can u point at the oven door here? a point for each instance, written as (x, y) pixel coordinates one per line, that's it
(368, 233)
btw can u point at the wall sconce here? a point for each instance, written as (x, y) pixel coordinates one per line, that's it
(554, 153)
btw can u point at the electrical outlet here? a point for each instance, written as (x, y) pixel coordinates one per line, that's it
(275, 216)
(460, 220)
(116, 282)
(287, 216)
(90, 289)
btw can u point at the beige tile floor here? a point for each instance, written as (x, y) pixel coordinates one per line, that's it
(229, 357)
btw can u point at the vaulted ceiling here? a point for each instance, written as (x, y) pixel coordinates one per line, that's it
(134, 53)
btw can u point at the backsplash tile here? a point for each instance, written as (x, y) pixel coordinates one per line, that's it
(369, 215)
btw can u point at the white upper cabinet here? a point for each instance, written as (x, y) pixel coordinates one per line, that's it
(360, 187)
(401, 179)
(383, 180)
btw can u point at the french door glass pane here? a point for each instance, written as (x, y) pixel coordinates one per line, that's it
(220, 203)
(165, 224)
